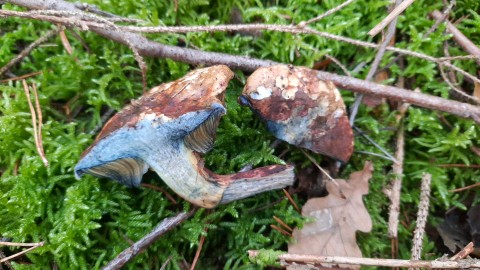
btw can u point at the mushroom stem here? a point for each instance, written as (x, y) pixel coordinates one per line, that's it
(257, 181)
(183, 171)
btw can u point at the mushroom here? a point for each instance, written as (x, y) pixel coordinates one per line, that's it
(300, 109)
(167, 129)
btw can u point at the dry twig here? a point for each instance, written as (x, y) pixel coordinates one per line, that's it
(22, 77)
(458, 36)
(287, 259)
(390, 17)
(37, 128)
(199, 250)
(290, 199)
(154, 49)
(31, 246)
(376, 61)
(441, 19)
(164, 226)
(422, 215)
(30, 48)
(397, 169)
(465, 188)
(467, 250)
(169, 197)
(327, 13)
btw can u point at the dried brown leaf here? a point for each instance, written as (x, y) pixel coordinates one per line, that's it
(336, 218)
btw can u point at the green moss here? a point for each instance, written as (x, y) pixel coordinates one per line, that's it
(85, 223)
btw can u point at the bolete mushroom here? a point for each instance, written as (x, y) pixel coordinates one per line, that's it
(165, 130)
(300, 109)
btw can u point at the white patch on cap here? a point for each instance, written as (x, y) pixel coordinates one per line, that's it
(261, 93)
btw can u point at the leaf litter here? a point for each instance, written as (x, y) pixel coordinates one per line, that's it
(335, 219)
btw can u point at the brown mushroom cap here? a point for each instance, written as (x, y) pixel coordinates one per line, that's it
(301, 109)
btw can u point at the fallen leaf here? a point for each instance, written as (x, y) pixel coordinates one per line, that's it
(336, 218)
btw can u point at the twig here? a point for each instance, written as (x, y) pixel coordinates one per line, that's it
(394, 196)
(327, 13)
(456, 89)
(336, 61)
(37, 129)
(289, 197)
(103, 119)
(312, 259)
(13, 244)
(440, 20)
(199, 250)
(391, 158)
(476, 166)
(22, 77)
(32, 247)
(322, 170)
(467, 250)
(191, 56)
(376, 62)
(164, 226)
(458, 36)
(465, 188)
(112, 17)
(280, 230)
(422, 215)
(30, 48)
(390, 17)
(169, 197)
(373, 154)
(148, 48)
(283, 224)
(164, 265)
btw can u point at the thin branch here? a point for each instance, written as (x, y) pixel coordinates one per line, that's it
(112, 17)
(142, 244)
(465, 188)
(327, 13)
(118, 34)
(39, 126)
(397, 169)
(14, 244)
(467, 250)
(456, 89)
(22, 252)
(22, 77)
(312, 259)
(336, 61)
(422, 215)
(169, 197)
(36, 128)
(199, 250)
(385, 152)
(458, 36)
(283, 224)
(390, 17)
(30, 48)
(373, 154)
(376, 62)
(290, 199)
(191, 56)
(441, 19)
(280, 230)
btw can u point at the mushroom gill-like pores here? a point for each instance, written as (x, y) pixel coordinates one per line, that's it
(165, 130)
(300, 109)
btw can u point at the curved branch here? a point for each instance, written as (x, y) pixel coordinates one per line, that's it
(154, 49)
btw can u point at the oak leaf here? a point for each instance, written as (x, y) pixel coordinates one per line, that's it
(336, 218)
